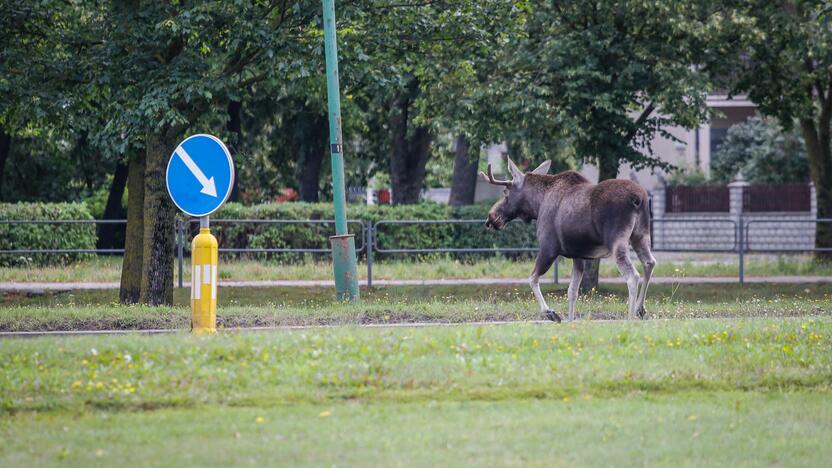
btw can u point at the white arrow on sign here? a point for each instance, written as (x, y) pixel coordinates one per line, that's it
(208, 186)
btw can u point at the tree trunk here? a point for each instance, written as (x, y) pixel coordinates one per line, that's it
(819, 153)
(607, 169)
(408, 167)
(107, 233)
(158, 236)
(5, 148)
(410, 151)
(131, 268)
(313, 130)
(235, 126)
(464, 182)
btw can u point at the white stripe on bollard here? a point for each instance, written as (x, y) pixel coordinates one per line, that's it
(197, 287)
(214, 285)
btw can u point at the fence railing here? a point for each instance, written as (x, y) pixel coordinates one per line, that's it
(182, 226)
(701, 235)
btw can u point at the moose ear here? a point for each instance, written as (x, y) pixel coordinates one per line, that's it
(516, 174)
(543, 168)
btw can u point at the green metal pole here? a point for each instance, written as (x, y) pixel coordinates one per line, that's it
(343, 243)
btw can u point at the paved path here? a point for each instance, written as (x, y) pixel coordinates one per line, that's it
(42, 287)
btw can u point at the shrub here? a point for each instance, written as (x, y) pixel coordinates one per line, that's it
(764, 151)
(388, 236)
(44, 236)
(296, 236)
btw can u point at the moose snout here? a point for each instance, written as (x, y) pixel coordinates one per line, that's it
(491, 222)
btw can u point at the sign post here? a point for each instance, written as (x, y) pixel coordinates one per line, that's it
(343, 243)
(199, 176)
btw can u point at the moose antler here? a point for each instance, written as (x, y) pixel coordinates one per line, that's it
(490, 178)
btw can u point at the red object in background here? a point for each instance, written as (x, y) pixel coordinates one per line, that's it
(384, 197)
(288, 194)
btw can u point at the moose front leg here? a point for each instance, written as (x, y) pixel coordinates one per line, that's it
(541, 266)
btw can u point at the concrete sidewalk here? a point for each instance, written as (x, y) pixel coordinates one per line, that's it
(37, 287)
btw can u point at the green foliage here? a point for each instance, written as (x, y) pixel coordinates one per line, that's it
(688, 176)
(44, 236)
(388, 236)
(609, 76)
(97, 202)
(763, 151)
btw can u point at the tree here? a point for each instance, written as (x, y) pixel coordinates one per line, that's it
(417, 70)
(763, 151)
(130, 287)
(612, 75)
(786, 69)
(161, 69)
(464, 183)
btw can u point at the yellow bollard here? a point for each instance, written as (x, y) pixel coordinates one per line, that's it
(204, 283)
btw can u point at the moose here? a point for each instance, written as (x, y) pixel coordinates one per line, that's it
(579, 220)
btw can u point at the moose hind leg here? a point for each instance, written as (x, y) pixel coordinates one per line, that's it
(541, 266)
(642, 248)
(628, 271)
(575, 284)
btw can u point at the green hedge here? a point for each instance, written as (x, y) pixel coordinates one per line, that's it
(239, 235)
(388, 236)
(44, 236)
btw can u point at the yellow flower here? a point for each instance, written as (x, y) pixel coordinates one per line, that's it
(260, 420)
(325, 414)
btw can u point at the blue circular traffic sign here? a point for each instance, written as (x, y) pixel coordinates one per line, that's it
(200, 175)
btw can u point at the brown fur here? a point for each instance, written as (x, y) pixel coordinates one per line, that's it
(580, 220)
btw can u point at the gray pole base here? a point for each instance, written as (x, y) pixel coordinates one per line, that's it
(346, 276)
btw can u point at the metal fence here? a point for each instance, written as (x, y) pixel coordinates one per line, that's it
(741, 242)
(704, 198)
(182, 228)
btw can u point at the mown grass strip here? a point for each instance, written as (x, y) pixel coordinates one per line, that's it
(265, 307)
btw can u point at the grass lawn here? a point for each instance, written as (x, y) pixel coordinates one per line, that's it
(689, 392)
(727, 429)
(108, 269)
(271, 306)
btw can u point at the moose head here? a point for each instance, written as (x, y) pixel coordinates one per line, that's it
(515, 200)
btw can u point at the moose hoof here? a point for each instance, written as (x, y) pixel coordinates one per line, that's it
(641, 312)
(552, 315)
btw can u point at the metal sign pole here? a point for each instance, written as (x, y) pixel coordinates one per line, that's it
(343, 243)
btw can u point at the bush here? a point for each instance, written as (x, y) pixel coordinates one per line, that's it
(44, 236)
(689, 177)
(388, 236)
(764, 151)
(295, 236)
